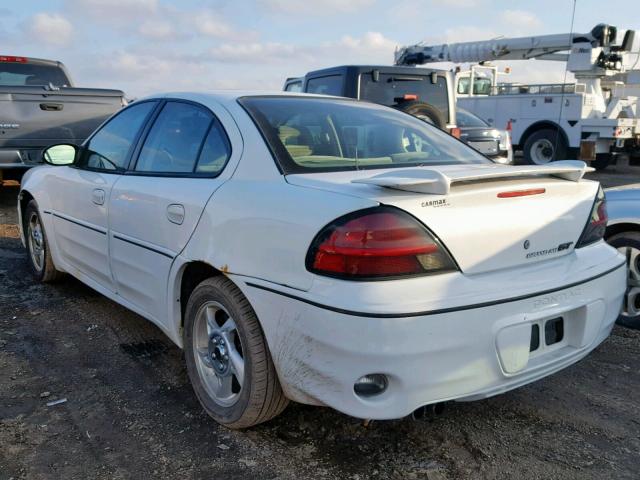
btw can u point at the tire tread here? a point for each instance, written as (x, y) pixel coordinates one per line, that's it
(266, 399)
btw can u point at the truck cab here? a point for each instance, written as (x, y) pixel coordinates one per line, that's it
(425, 92)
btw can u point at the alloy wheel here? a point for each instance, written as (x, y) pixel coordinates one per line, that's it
(219, 353)
(35, 238)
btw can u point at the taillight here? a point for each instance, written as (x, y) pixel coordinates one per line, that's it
(381, 242)
(597, 224)
(12, 59)
(456, 132)
(509, 127)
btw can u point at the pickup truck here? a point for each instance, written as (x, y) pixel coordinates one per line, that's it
(39, 107)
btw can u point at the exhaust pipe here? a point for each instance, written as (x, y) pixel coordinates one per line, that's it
(426, 411)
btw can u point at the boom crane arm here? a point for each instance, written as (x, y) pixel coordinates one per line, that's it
(547, 47)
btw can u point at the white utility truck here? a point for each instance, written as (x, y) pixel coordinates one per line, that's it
(594, 119)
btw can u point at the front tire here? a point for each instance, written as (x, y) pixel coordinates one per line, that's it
(227, 357)
(40, 261)
(544, 146)
(628, 243)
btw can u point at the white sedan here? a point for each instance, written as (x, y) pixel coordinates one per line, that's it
(327, 251)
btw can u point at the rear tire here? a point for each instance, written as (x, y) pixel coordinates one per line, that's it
(602, 161)
(40, 261)
(425, 112)
(544, 146)
(227, 357)
(628, 243)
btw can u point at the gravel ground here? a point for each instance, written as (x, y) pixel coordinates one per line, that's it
(130, 411)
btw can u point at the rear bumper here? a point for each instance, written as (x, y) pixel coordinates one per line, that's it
(18, 159)
(452, 354)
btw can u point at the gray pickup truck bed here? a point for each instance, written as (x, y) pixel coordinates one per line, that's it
(34, 116)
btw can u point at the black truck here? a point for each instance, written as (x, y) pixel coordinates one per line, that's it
(39, 107)
(423, 92)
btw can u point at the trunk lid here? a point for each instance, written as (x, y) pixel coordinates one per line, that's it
(461, 205)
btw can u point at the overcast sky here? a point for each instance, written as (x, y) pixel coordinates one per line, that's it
(145, 46)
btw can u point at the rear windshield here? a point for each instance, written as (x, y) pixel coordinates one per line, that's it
(468, 119)
(390, 89)
(21, 74)
(319, 134)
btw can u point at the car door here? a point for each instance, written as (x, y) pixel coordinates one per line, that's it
(155, 207)
(80, 195)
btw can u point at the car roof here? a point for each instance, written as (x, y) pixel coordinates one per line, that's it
(231, 96)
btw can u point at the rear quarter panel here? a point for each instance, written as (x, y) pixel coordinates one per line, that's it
(623, 206)
(257, 224)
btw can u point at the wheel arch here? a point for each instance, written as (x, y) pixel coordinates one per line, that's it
(190, 275)
(621, 227)
(23, 200)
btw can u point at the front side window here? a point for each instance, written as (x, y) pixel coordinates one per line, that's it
(109, 148)
(316, 134)
(330, 85)
(175, 140)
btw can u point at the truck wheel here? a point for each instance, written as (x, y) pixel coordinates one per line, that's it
(425, 112)
(544, 146)
(602, 161)
(628, 243)
(227, 357)
(40, 260)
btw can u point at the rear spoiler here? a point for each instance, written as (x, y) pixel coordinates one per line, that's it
(439, 181)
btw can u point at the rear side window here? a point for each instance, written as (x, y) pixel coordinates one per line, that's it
(185, 139)
(109, 148)
(174, 142)
(294, 86)
(330, 85)
(215, 151)
(390, 90)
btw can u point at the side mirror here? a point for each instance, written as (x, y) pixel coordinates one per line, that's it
(63, 154)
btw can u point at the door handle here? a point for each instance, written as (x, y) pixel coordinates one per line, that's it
(175, 213)
(51, 107)
(97, 196)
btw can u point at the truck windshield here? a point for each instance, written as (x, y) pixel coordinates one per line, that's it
(22, 74)
(392, 89)
(308, 134)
